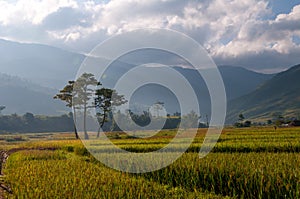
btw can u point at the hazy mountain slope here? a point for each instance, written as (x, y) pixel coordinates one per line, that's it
(239, 81)
(279, 94)
(53, 67)
(20, 96)
(45, 65)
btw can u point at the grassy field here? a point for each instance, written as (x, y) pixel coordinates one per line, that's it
(245, 163)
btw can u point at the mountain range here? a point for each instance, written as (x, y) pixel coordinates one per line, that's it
(30, 74)
(44, 65)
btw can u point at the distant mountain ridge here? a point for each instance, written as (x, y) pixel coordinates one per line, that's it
(48, 69)
(279, 94)
(42, 64)
(237, 81)
(240, 81)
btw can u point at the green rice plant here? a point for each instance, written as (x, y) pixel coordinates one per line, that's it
(75, 178)
(250, 175)
(245, 163)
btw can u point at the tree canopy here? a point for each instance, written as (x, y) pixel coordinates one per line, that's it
(84, 93)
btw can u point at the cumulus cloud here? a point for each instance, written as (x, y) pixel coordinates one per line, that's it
(236, 32)
(32, 11)
(264, 43)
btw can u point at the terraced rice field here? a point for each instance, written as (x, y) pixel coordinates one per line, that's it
(245, 163)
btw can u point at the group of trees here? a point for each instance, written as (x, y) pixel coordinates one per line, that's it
(277, 120)
(126, 120)
(129, 119)
(242, 122)
(81, 96)
(31, 123)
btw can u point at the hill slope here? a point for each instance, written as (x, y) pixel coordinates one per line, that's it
(239, 81)
(21, 96)
(279, 94)
(42, 64)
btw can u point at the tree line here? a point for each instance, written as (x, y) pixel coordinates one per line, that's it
(128, 120)
(35, 123)
(30, 123)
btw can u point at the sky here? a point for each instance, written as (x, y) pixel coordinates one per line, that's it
(261, 35)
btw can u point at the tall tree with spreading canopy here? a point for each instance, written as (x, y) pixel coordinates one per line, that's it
(105, 100)
(67, 94)
(85, 93)
(81, 94)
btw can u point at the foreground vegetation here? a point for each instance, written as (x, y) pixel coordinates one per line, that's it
(246, 163)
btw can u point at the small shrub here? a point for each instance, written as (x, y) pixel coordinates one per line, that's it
(69, 148)
(82, 151)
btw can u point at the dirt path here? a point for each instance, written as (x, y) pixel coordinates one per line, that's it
(3, 188)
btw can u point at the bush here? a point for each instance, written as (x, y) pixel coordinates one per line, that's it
(69, 148)
(82, 151)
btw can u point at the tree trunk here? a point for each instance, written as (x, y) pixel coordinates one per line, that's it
(98, 133)
(75, 131)
(86, 136)
(74, 118)
(102, 124)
